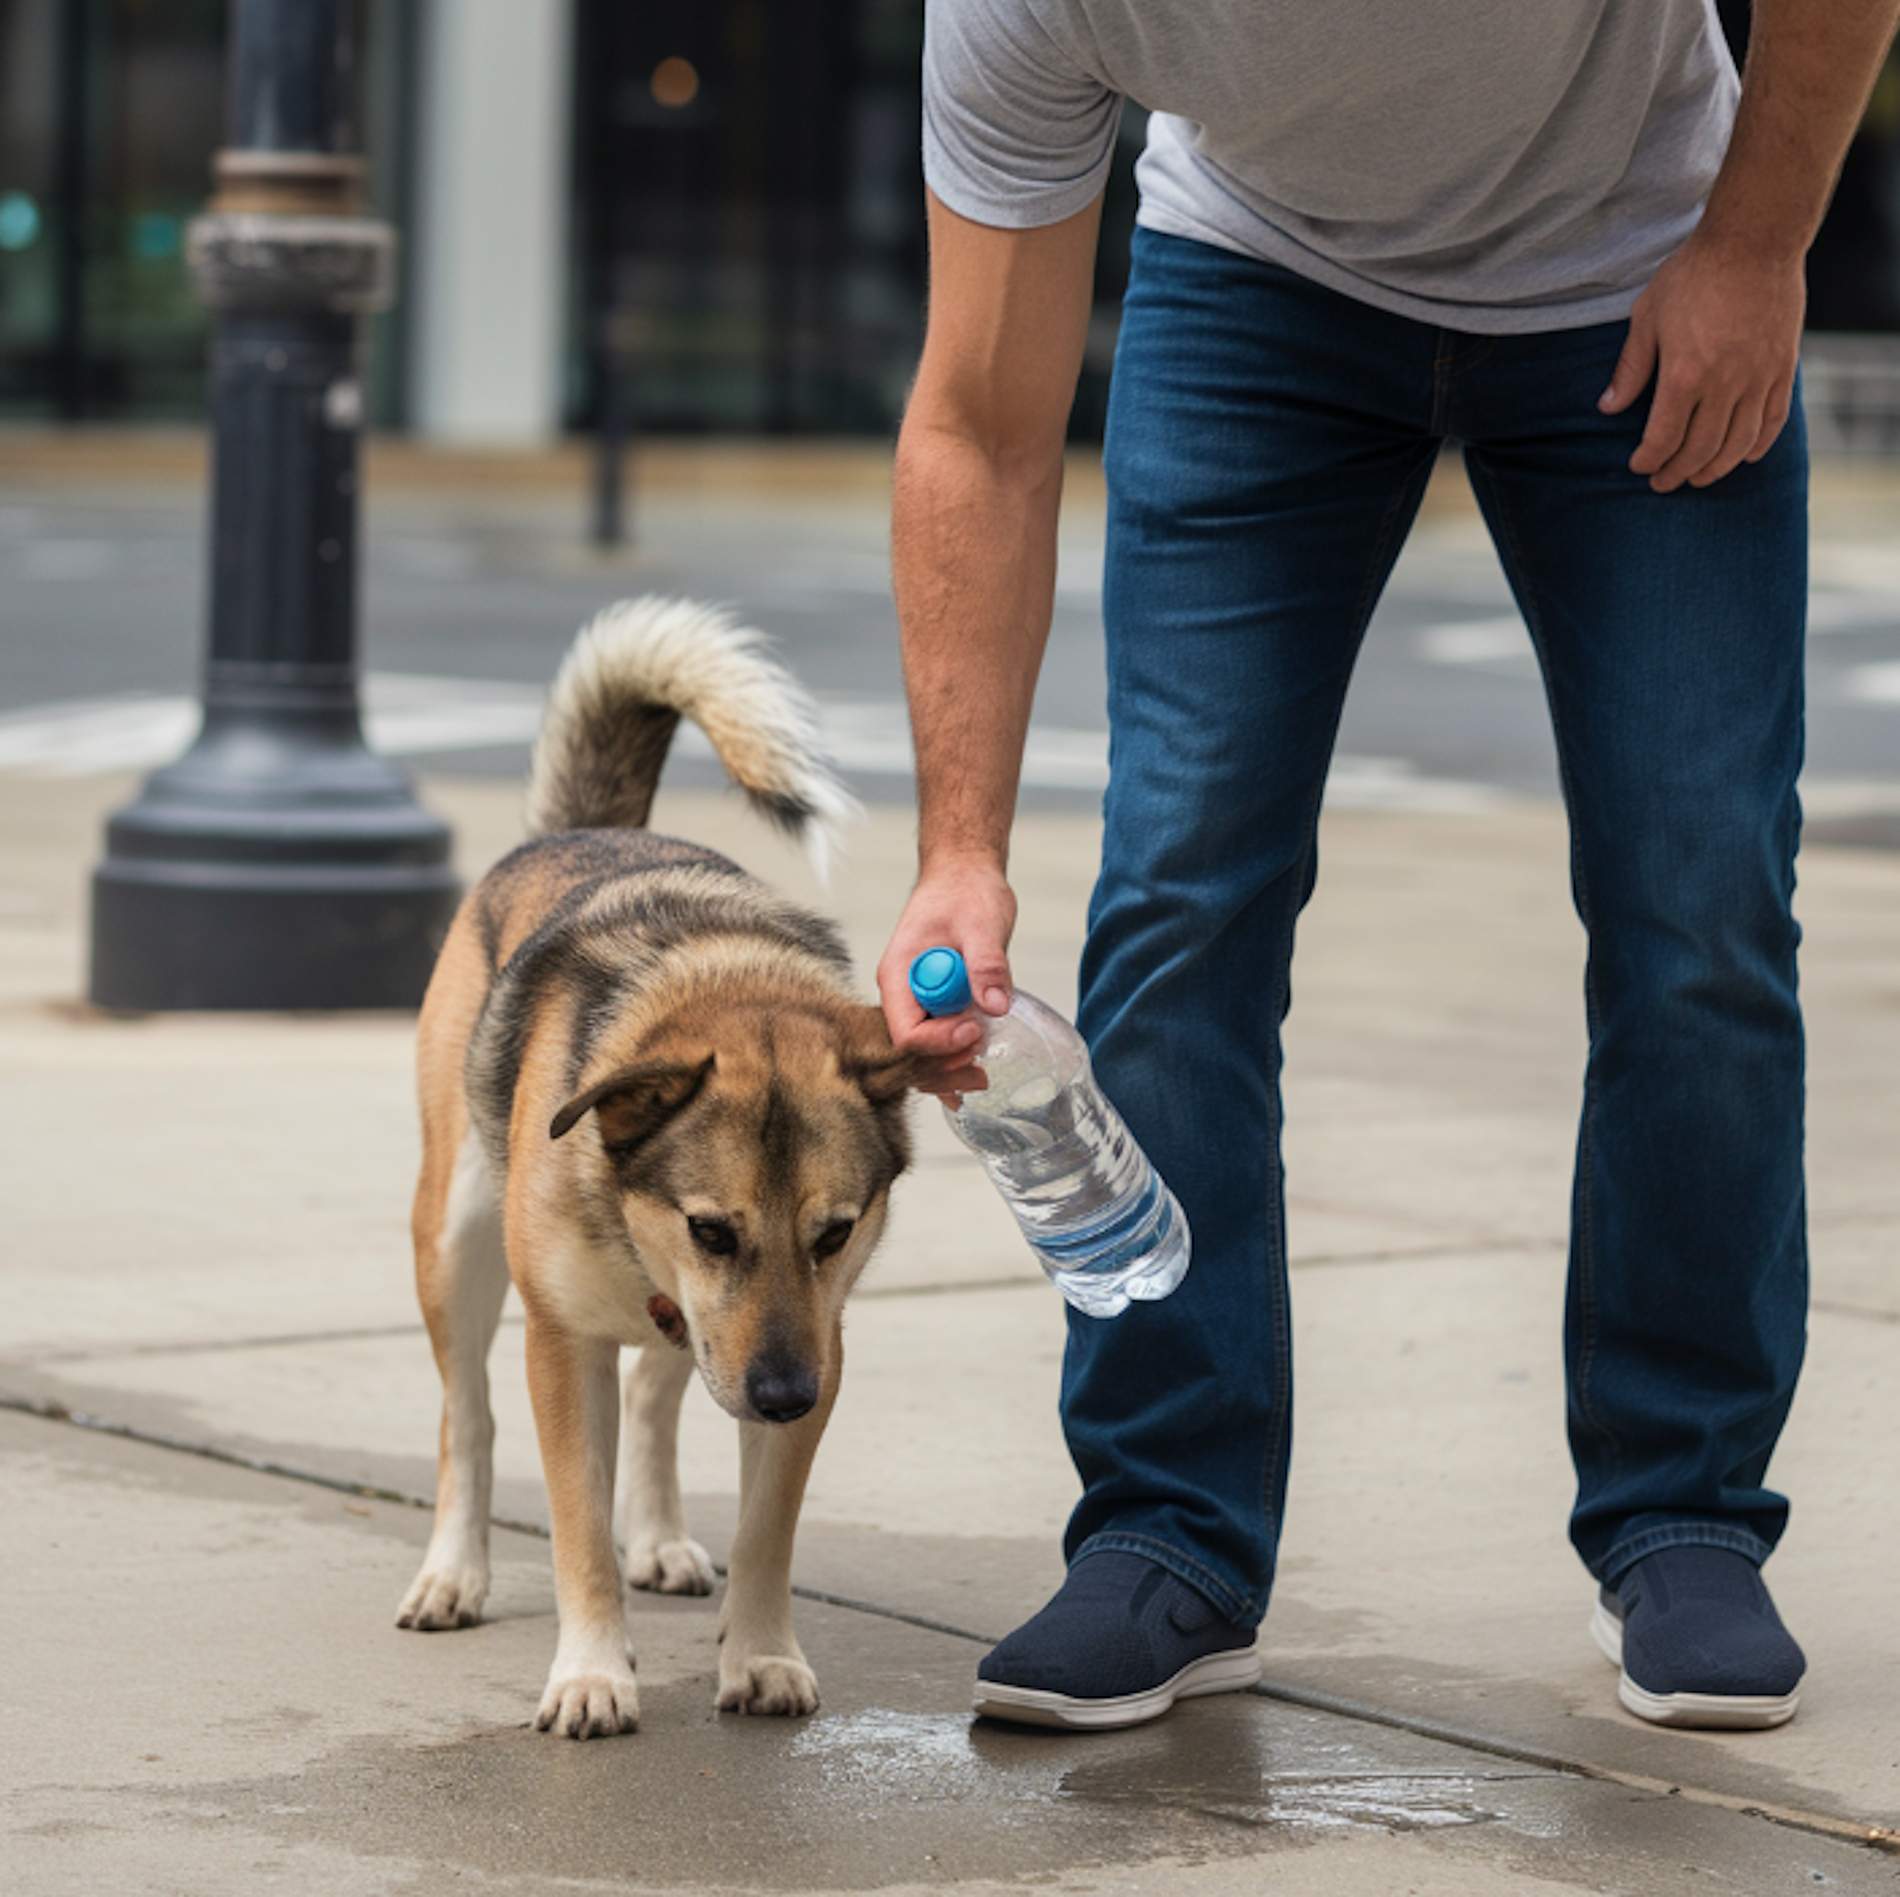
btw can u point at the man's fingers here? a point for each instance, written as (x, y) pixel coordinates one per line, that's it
(1708, 430)
(912, 1030)
(1744, 426)
(1634, 366)
(953, 1034)
(984, 961)
(967, 907)
(989, 978)
(902, 1014)
(916, 1032)
(1668, 423)
(952, 1082)
(1774, 418)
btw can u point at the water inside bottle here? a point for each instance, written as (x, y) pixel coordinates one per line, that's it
(1102, 1223)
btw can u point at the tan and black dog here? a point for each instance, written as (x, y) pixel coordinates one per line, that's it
(649, 1097)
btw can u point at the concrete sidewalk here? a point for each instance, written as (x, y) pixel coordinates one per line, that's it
(206, 1253)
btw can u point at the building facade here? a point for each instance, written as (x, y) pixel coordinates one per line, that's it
(710, 206)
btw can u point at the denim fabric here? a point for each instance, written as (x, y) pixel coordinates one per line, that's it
(1268, 444)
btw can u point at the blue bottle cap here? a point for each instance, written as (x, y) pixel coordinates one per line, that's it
(940, 981)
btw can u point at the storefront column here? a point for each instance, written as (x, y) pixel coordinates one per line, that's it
(490, 220)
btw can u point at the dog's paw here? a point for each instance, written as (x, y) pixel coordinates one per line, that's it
(773, 1685)
(589, 1705)
(678, 1566)
(439, 1598)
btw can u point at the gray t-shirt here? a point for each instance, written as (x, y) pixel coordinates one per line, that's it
(1490, 165)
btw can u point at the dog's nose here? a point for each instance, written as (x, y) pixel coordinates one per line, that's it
(780, 1391)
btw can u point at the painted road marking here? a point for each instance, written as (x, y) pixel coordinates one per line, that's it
(1477, 642)
(411, 715)
(1502, 643)
(404, 714)
(1874, 684)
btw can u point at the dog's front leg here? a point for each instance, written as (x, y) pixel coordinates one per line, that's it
(661, 1555)
(590, 1690)
(762, 1668)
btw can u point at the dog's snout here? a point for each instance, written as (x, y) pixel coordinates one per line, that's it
(780, 1389)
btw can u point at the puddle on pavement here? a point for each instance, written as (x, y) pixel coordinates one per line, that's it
(863, 1798)
(1178, 1767)
(891, 1754)
(860, 1798)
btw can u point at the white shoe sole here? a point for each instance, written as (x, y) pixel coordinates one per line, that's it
(1230, 1672)
(1721, 1712)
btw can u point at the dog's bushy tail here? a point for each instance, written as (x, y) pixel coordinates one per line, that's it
(639, 667)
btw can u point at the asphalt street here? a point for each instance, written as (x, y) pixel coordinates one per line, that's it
(468, 604)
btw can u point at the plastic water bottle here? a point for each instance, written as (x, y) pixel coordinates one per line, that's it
(1100, 1219)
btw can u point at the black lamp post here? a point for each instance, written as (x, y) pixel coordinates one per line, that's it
(280, 863)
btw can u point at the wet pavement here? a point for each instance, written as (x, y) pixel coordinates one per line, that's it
(201, 1688)
(205, 1705)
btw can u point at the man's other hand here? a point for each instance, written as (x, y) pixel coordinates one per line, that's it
(1719, 331)
(964, 903)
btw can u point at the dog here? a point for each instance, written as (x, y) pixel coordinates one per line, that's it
(650, 1098)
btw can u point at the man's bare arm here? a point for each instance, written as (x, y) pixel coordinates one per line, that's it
(973, 547)
(1720, 327)
(1811, 68)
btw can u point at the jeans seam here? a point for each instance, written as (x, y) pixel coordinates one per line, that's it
(1389, 523)
(1477, 349)
(1441, 380)
(1586, 1142)
(1623, 1555)
(1236, 1606)
(1281, 1289)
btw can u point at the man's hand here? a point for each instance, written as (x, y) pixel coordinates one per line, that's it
(965, 904)
(1719, 329)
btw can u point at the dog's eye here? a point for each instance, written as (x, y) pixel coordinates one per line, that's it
(832, 1238)
(714, 1235)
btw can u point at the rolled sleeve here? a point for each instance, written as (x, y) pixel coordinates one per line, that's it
(1017, 133)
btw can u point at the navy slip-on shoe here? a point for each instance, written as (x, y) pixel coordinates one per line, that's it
(1699, 1642)
(1122, 1640)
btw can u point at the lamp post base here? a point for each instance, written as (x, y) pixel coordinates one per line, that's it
(208, 901)
(294, 942)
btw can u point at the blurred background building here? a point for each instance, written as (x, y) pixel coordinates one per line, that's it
(726, 191)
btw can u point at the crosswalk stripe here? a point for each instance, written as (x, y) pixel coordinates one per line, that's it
(410, 715)
(1874, 684)
(1475, 641)
(1502, 641)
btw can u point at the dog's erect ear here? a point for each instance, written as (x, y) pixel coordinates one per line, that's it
(868, 1057)
(635, 1103)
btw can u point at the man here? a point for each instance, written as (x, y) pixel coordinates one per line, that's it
(1561, 233)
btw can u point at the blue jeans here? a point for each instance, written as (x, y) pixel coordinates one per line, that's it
(1268, 444)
